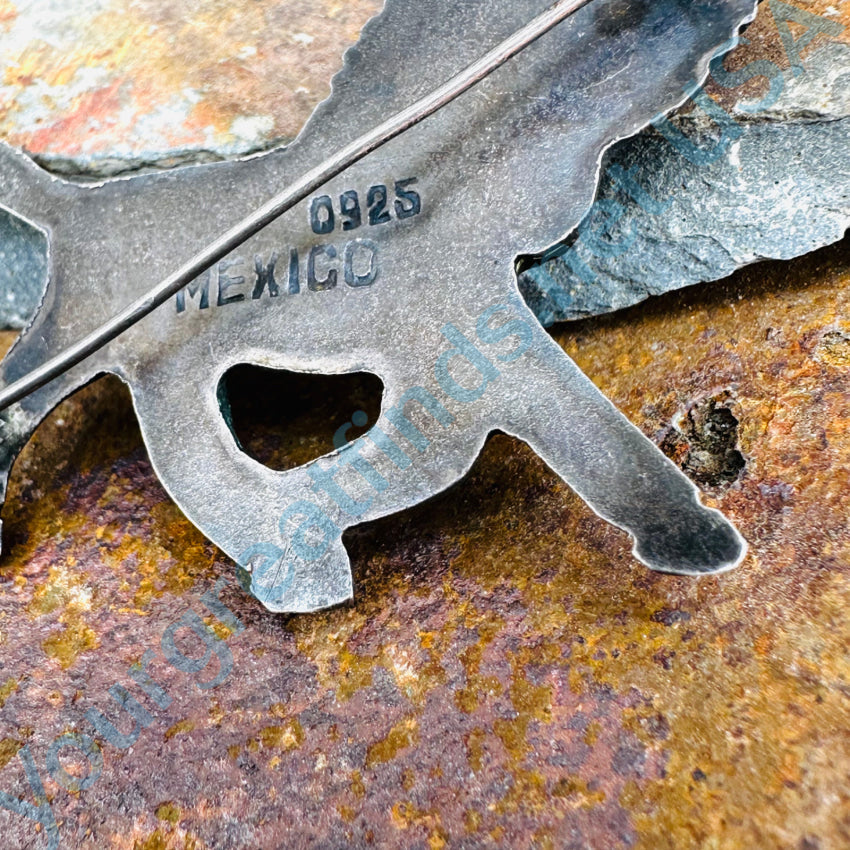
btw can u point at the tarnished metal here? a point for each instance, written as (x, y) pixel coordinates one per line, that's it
(287, 198)
(428, 227)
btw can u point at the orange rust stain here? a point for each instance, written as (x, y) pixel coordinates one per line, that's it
(354, 671)
(179, 728)
(8, 750)
(408, 779)
(475, 749)
(531, 703)
(157, 840)
(358, 788)
(577, 794)
(288, 736)
(168, 812)
(477, 685)
(405, 815)
(7, 689)
(472, 820)
(346, 813)
(64, 588)
(528, 794)
(67, 645)
(403, 735)
(348, 672)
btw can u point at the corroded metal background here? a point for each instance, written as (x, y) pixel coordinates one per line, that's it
(496, 683)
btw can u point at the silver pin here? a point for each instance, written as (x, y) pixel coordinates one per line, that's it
(403, 266)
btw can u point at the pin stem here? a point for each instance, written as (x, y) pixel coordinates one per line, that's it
(288, 198)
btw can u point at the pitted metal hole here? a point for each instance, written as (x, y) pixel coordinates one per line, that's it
(286, 419)
(704, 443)
(833, 348)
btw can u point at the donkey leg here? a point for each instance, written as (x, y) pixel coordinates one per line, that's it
(285, 528)
(554, 407)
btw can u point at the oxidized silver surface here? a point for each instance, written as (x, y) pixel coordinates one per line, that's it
(426, 269)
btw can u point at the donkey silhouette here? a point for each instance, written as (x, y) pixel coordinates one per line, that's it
(403, 266)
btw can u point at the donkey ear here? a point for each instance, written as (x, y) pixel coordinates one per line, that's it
(404, 52)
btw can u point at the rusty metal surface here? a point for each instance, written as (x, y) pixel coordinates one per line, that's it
(495, 684)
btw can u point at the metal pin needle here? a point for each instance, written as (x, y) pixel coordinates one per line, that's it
(288, 198)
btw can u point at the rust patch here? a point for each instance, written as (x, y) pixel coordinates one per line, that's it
(400, 737)
(68, 644)
(285, 737)
(168, 812)
(703, 441)
(180, 728)
(9, 748)
(7, 689)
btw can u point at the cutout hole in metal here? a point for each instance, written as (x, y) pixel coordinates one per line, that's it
(286, 419)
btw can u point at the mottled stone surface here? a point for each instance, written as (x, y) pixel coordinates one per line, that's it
(507, 675)
(105, 87)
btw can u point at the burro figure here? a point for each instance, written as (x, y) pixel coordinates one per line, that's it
(403, 266)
